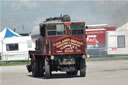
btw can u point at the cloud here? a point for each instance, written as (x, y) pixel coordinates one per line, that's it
(38, 20)
(25, 3)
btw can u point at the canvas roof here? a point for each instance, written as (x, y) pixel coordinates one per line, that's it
(6, 33)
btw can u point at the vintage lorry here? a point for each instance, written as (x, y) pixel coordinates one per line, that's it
(60, 46)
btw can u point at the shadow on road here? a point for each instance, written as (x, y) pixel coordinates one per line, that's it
(57, 76)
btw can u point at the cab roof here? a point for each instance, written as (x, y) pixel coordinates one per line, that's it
(54, 23)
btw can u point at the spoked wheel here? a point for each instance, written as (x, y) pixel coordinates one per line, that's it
(82, 68)
(35, 69)
(47, 69)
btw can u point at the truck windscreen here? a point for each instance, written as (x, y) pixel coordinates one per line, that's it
(76, 29)
(54, 30)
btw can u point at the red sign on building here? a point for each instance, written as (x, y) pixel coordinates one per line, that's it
(97, 35)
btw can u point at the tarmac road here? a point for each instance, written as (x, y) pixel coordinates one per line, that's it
(98, 73)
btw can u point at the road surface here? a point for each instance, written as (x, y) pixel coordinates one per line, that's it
(98, 73)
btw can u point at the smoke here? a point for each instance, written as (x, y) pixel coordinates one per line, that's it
(112, 12)
(120, 16)
(118, 10)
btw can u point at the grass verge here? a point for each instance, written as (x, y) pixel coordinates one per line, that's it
(12, 63)
(108, 58)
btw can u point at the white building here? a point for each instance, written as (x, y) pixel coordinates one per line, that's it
(117, 41)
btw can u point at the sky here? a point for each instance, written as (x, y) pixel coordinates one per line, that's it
(23, 15)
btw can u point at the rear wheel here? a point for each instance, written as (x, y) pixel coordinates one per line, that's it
(82, 68)
(35, 69)
(47, 69)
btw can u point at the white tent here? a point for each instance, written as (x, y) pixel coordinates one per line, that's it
(13, 46)
(16, 48)
(6, 33)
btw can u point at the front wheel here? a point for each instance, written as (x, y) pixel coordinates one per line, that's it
(47, 69)
(41, 69)
(82, 68)
(35, 69)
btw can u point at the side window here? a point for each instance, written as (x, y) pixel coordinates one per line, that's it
(51, 30)
(76, 29)
(12, 47)
(121, 41)
(60, 29)
(54, 30)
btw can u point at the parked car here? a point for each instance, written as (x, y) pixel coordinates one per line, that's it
(96, 50)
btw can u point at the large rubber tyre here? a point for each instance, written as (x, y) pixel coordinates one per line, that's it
(35, 69)
(47, 69)
(41, 68)
(82, 68)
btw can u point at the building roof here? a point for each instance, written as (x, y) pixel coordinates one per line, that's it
(123, 27)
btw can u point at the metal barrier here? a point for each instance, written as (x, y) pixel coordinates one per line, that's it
(14, 56)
